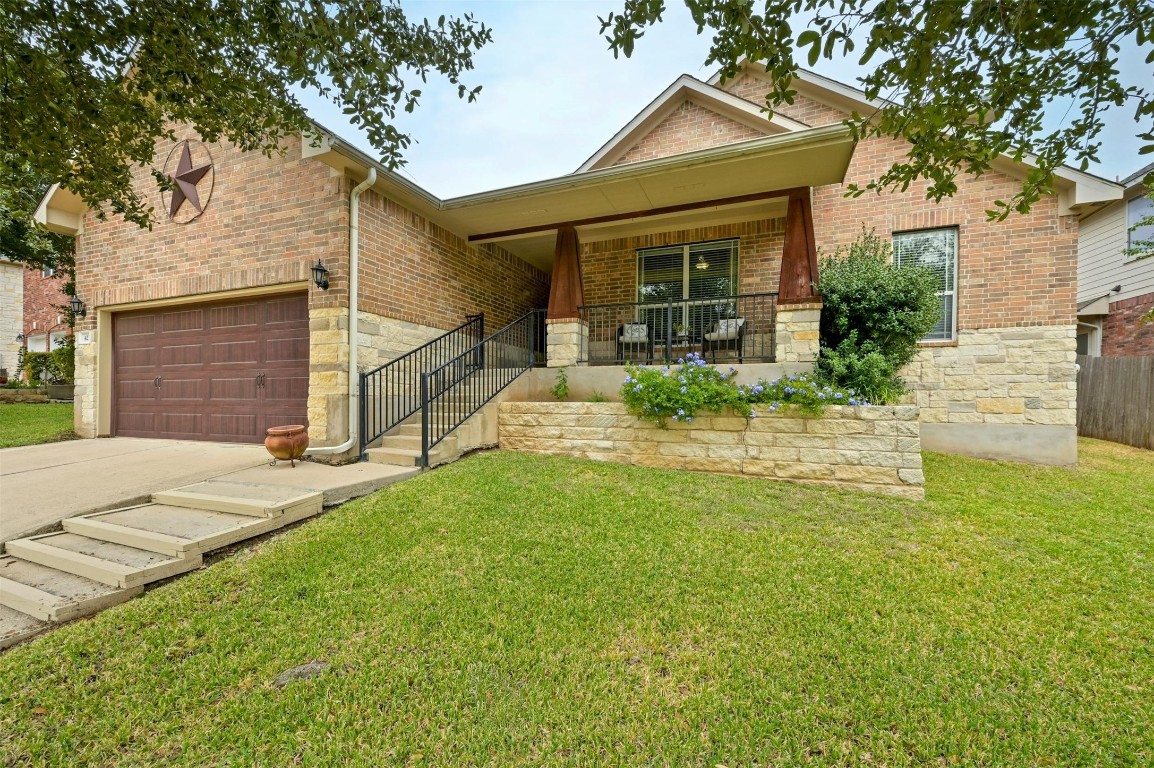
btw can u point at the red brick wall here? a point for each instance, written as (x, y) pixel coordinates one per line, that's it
(1122, 335)
(415, 270)
(690, 127)
(609, 267)
(804, 109)
(267, 221)
(43, 299)
(1020, 272)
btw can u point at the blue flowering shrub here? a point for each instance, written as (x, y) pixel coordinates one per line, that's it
(680, 393)
(657, 394)
(808, 394)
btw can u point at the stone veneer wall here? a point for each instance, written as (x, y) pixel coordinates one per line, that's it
(873, 448)
(998, 376)
(797, 334)
(11, 314)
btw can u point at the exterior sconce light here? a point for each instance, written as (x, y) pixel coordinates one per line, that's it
(321, 276)
(79, 308)
(19, 338)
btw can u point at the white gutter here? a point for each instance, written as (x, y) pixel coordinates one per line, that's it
(354, 283)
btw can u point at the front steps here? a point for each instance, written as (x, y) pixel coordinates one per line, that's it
(106, 558)
(402, 447)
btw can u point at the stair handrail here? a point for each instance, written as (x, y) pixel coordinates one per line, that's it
(516, 342)
(406, 400)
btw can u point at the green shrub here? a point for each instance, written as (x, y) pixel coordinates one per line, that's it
(57, 366)
(873, 316)
(657, 394)
(597, 397)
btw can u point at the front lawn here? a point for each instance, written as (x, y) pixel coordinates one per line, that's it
(32, 423)
(513, 609)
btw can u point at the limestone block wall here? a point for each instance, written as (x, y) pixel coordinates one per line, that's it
(85, 392)
(11, 313)
(797, 332)
(876, 448)
(998, 376)
(328, 401)
(564, 341)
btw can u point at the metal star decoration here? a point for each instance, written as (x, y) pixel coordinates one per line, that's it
(185, 180)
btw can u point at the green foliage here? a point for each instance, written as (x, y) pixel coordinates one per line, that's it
(872, 317)
(56, 367)
(89, 87)
(961, 82)
(810, 395)
(21, 240)
(657, 394)
(597, 397)
(560, 388)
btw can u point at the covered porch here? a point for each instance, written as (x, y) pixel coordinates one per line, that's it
(710, 252)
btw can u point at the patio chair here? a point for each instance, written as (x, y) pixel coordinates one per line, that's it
(632, 336)
(725, 334)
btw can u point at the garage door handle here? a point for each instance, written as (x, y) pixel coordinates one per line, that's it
(260, 379)
(156, 382)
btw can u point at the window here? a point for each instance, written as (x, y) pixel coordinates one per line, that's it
(938, 250)
(48, 272)
(1138, 209)
(57, 339)
(693, 276)
(38, 343)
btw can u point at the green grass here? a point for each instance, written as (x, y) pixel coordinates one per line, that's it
(33, 423)
(513, 609)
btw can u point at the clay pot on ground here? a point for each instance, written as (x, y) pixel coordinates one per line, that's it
(287, 443)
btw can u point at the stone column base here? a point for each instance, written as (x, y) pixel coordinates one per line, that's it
(565, 341)
(797, 332)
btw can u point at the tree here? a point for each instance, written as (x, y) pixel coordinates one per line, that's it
(88, 88)
(21, 241)
(962, 82)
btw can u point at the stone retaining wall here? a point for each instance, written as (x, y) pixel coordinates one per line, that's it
(874, 448)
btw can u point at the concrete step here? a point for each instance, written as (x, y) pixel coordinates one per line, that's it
(409, 457)
(109, 563)
(49, 594)
(413, 442)
(16, 626)
(241, 498)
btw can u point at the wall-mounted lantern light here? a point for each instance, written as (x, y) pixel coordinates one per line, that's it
(19, 338)
(79, 308)
(321, 276)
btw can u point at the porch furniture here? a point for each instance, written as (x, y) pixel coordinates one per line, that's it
(725, 334)
(634, 336)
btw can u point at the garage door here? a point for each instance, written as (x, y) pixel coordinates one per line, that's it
(223, 371)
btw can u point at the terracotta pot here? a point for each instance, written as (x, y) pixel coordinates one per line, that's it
(287, 443)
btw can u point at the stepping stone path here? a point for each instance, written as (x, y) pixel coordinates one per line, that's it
(105, 558)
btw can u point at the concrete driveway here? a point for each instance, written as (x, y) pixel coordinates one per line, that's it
(43, 484)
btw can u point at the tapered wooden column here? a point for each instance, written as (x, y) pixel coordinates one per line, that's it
(799, 255)
(565, 291)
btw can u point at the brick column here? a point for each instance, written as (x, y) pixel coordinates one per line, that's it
(797, 332)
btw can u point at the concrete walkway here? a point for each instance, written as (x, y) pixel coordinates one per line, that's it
(40, 485)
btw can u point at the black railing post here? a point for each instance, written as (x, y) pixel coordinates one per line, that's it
(531, 341)
(669, 332)
(362, 406)
(425, 420)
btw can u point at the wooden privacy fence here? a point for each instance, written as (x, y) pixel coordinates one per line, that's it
(1116, 399)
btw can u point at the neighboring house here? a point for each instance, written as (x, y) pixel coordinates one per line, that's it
(1116, 288)
(45, 320)
(11, 314)
(696, 227)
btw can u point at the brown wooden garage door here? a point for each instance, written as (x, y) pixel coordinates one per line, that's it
(223, 371)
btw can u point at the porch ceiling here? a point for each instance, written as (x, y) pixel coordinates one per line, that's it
(726, 184)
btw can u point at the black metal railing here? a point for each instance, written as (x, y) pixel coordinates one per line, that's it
(391, 393)
(455, 390)
(740, 327)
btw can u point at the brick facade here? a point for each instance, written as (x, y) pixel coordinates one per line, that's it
(418, 272)
(44, 302)
(689, 127)
(1123, 333)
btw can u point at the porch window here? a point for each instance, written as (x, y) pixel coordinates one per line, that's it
(938, 250)
(696, 278)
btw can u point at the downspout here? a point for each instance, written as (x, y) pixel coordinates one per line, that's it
(354, 287)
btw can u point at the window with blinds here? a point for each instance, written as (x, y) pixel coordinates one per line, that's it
(936, 249)
(696, 276)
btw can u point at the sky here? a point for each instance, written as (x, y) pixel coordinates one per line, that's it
(553, 94)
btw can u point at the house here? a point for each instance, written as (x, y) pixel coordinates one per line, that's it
(696, 227)
(31, 312)
(1115, 287)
